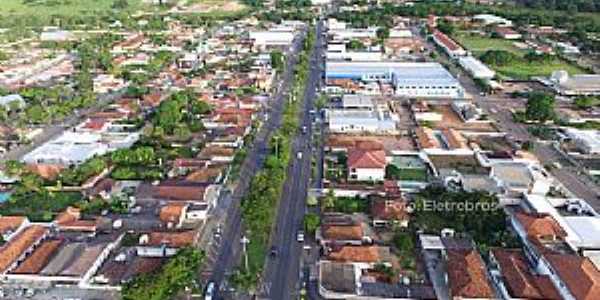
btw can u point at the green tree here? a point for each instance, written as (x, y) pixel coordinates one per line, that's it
(329, 200)
(177, 274)
(586, 102)
(311, 222)
(540, 107)
(277, 60)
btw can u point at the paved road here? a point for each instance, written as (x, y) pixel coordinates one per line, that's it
(283, 273)
(229, 249)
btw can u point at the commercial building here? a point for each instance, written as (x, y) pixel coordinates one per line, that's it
(410, 79)
(575, 85)
(359, 114)
(476, 68)
(76, 146)
(272, 38)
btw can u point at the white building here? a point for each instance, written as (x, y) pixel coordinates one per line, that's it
(476, 68)
(582, 84)
(588, 141)
(75, 147)
(353, 33)
(359, 114)
(272, 38)
(487, 19)
(410, 79)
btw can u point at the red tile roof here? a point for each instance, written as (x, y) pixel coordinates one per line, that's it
(366, 159)
(540, 225)
(35, 262)
(578, 273)
(70, 220)
(180, 192)
(519, 280)
(389, 209)
(446, 41)
(343, 232)
(366, 254)
(467, 275)
(10, 223)
(172, 239)
(12, 250)
(171, 213)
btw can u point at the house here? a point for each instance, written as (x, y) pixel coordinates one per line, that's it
(507, 33)
(467, 275)
(515, 279)
(574, 276)
(340, 229)
(18, 247)
(367, 254)
(11, 225)
(164, 244)
(447, 44)
(387, 212)
(173, 215)
(366, 165)
(186, 192)
(107, 83)
(70, 220)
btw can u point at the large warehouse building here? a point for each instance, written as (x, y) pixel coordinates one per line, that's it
(410, 79)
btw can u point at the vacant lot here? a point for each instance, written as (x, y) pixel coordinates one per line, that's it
(527, 70)
(479, 44)
(59, 7)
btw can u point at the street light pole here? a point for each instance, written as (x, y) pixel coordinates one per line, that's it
(244, 242)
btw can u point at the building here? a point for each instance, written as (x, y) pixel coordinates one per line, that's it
(476, 68)
(13, 101)
(452, 48)
(264, 39)
(507, 33)
(361, 121)
(366, 165)
(515, 279)
(587, 141)
(409, 79)
(78, 145)
(487, 19)
(575, 85)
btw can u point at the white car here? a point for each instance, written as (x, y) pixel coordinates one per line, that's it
(210, 291)
(299, 155)
(300, 237)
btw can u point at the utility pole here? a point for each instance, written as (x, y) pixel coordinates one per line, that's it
(276, 146)
(244, 242)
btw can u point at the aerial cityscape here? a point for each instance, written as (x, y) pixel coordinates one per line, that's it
(299, 149)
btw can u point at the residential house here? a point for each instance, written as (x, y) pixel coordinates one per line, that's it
(366, 165)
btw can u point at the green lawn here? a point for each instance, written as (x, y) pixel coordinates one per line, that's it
(413, 174)
(526, 70)
(59, 7)
(479, 44)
